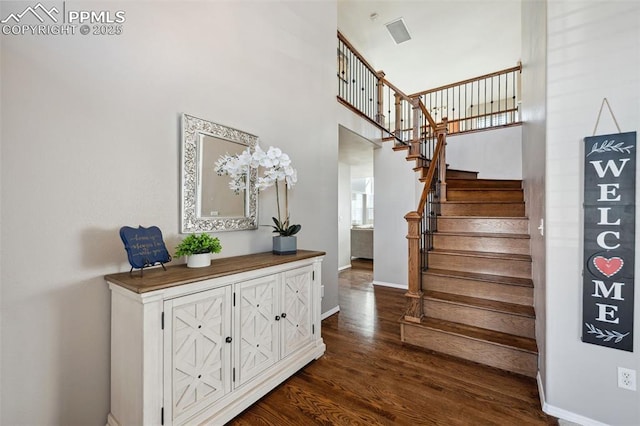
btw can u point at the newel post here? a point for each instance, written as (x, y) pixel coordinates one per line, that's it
(398, 104)
(415, 310)
(380, 111)
(415, 141)
(441, 131)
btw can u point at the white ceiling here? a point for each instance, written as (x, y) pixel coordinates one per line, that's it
(452, 40)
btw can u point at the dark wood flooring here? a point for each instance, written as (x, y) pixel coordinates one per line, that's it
(368, 377)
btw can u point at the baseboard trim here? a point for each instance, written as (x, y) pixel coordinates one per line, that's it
(392, 285)
(342, 268)
(562, 413)
(330, 312)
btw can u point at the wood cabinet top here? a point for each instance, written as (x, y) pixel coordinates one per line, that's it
(157, 278)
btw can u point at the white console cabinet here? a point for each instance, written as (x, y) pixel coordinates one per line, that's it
(198, 346)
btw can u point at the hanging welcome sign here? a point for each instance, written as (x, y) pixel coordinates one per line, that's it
(609, 240)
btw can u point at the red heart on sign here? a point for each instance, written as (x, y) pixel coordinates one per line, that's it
(608, 267)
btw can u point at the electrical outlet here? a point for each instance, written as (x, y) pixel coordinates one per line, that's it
(626, 378)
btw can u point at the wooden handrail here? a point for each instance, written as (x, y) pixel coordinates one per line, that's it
(355, 52)
(395, 89)
(430, 119)
(414, 294)
(469, 80)
(430, 174)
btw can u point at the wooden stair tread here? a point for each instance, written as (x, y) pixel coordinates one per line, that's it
(502, 256)
(486, 304)
(485, 217)
(476, 183)
(499, 279)
(401, 147)
(483, 189)
(481, 202)
(483, 234)
(523, 344)
(412, 157)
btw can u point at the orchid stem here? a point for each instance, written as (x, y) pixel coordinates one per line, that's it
(278, 203)
(286, 202)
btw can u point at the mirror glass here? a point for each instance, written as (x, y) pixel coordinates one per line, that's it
(212, 200)
(208, 203)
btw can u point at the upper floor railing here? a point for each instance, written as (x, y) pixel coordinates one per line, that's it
(479, 103)
(365, 91)
(484, 102)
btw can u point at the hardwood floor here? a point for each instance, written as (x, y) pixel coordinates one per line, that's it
(368, 377)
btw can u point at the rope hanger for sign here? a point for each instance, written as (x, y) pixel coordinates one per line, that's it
(605, 101)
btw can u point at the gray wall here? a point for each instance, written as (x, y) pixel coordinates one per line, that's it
(344, 215)
(534, 84)
(395, 196)
(90, 143)
(593, 52)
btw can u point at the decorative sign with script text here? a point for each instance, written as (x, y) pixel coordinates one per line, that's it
(609, 240)
(144, 246)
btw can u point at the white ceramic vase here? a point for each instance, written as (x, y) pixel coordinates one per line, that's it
(199, 260)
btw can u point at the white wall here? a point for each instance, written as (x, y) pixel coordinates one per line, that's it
(344, 215)
(395, 196)
(90, 143)
(593, 52)
(1, 227)
(490, 153)
(533, 110)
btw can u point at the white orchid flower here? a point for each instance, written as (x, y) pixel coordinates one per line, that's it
(276, 167)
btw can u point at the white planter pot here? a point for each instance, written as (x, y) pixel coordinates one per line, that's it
(199, 260)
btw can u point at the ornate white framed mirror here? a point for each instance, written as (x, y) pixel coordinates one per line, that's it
(208, 204)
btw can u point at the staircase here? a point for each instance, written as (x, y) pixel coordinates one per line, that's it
(477, 290)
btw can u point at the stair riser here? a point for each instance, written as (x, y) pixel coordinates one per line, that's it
(482, 244)
(491, 320)
(512, 195)
(470, 349)
(488, 225)
(461, 174)
(476, 209)
(481, 265)
(483, 183)
(480, 289)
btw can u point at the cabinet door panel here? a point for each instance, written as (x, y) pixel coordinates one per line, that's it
(296, 306)
(197, 355)
(256, 324)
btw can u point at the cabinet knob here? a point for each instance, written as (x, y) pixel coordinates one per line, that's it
(277, 317)
(284, 315)
(228, 339)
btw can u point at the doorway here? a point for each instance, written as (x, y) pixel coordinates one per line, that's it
(355, 198)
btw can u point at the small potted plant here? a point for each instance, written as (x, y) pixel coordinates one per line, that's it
(198, 249)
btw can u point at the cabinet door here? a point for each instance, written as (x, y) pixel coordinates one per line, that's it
(256, 319)
(297, 312)
(197, 361)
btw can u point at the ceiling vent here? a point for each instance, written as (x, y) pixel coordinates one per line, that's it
(398, 31)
